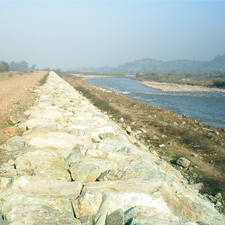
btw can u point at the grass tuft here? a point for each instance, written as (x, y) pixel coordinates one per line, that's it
(43, 80)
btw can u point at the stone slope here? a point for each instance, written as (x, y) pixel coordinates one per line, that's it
(74, 165)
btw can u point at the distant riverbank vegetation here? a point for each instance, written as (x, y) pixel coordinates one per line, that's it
(216, 79)
(15, 66)
(81, 73)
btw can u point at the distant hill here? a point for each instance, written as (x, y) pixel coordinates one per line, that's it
(145, 65)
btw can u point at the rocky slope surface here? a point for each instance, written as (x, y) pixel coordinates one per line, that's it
(74, 165)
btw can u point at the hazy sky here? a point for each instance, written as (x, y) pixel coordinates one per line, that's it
(73, 33)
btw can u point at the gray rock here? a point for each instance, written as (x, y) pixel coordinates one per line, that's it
(218, 196)
(78, 148)
(82, 172)
(142, 216)
(94, 153)
(16, 142)
(128, 129)
(198, 186)
(3, 222)
(39, 130)
(107, 175)
(37, 186)
(121, 119)
(48, 163)
(218, 203)
(87, 204)
(39, 214)
(106, 135)
(5, 182)
(39, 122)
(183, 162)
(8, 169)
(123, 194)
(115, 218)
(15, 118)
(100, 217)
(74, 157)
(86, 220)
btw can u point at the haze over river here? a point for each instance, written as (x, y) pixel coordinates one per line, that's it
(209, 107)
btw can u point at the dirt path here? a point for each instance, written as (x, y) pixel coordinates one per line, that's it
(16, 95)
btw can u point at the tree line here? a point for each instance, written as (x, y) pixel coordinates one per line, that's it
(209, 79)
(15, 66)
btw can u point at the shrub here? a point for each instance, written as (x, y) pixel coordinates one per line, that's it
(98, 102)
(43, 80)
(127, 116)
(219, 83)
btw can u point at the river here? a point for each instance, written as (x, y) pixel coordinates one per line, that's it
(208, 107)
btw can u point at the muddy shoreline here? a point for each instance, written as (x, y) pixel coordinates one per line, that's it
(172, 87)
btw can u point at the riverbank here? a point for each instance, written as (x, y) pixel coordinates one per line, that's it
(95, 75)
(168, 135)
(172, 87)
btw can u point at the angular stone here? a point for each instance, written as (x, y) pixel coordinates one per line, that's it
(16, 142)
(82, 172)
(123, 194)
(36, 186)
(115, 218)
(8, 169)
(5, 183)
(100, 164)
(62, 141)
(100, 217)
(107, 176)
(106, 135)
(39, 122)
(11, 162)
(15, 118)
(78, 148)
(49, 163)
(183, 162)
(87, 204)
(86, 220)
(142, 215)
(39, 129)
(121, 119)
(39, 214)
(94, 153)
(52, 115)
(9, 200)
(218, 196)
(22, 163)
(197, 187)
(74, 157)
(128, 129)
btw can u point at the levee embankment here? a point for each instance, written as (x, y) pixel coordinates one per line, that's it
(74, 165)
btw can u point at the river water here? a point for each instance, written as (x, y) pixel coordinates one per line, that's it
(209, 107)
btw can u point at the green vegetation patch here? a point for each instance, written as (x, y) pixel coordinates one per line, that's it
(43, 80)
(208, 79)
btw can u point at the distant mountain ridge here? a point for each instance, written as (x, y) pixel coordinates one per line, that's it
(147, 65)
